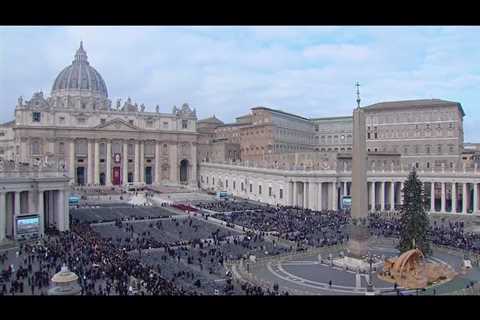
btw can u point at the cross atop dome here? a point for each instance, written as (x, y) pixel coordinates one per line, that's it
(81, 54)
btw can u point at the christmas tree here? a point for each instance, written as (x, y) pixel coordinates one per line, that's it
(414, 223)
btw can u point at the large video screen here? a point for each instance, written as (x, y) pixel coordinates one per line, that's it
(28, 224)
(346, 202)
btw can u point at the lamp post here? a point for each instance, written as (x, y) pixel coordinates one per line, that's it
(370, 284)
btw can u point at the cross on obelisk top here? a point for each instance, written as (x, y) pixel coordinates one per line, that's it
(358, 93)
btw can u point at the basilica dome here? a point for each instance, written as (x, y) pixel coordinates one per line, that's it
(79, 79)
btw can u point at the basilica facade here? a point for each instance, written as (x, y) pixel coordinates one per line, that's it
(98, 144)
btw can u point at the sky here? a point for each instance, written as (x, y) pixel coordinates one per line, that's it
(225, 71)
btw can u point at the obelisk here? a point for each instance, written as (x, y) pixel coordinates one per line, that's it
(358, 233)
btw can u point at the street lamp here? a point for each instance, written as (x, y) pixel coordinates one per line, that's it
(370, 283)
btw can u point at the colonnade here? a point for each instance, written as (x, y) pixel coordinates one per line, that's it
(318, 195)
(50, 205)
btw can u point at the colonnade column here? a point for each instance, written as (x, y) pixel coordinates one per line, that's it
(432, 196)
(3, 216)
(372, 196)
(136, 164)
(96, 165)
(295, 194)
(320, 194)
(464, 198)
(402, 185)
(382, 196)
(443, 197)
(334, 196)
(315, 196)
(392, 195)
(16, 211)
(60, 210)
(108, 173)
(125, 163)
(305, 195)
(157, 162)
(194, 163)
(454, 197)
(475, 197)
(40, 210)
(71, 159)
(345, 191)
(89, 163)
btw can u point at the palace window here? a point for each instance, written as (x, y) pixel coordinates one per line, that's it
(81, 120)
(35, 147)
(213, 181)
(184, 124)
(226, 183)
(62, 120)
(130, 122)
(269, 191)
(102, 121)
(251, 187)
(36, 116)
(241, 186)
(61, 148)
(259, 189)
(233, 185)
(281, 194)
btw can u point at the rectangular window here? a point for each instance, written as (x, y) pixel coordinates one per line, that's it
(281, 193)
(241, 186)
(259, 189)
(184, 124)
(36, 116)
(81, 120)
(149, 124)
(207, 179)
(226, 183)
(213, 181)
(61, 148)
(165, 125)
(62, 120)
(201, 179)
(102, 121)
(131, 122)
(269, 191)
(233, 185)
(251, 187)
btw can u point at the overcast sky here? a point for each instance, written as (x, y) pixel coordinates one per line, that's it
(309, 71)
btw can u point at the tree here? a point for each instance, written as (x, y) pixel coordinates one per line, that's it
(414, 223)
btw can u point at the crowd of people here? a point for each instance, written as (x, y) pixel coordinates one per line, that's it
(442, 232)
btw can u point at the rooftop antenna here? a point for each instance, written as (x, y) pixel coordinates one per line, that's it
(358, 94)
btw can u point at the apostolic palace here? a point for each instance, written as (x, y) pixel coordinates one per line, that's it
(77, 137)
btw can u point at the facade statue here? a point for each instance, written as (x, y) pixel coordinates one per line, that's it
(20, 101)
(157, 108)
(175, 110)
(142, 107)
(118, 103)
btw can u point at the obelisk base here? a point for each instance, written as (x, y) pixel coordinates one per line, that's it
(357, 245)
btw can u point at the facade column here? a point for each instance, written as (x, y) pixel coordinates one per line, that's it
(443, 197)
(71, 159)
(96, 164)
(125, 163)
(345, 191)
(174, 172)
(41, 213)
(89, 163)
(295, 194)
(464, 198)
(290, 193)
(372, 196)
(108, 173)
(31, 202)
(136, 163)
(194, 164)
(454, 197)
(320, 196)
(432, 196)
(334, 196)
(382, 196)
(157, 163)
(3, 216)
(392, 195)
(142, 161)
